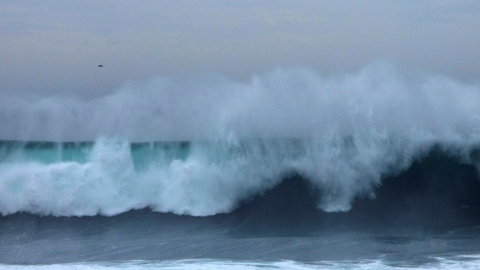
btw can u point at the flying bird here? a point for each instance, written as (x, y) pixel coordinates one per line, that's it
(100, 65)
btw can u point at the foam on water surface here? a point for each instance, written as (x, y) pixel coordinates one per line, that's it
(461, 262)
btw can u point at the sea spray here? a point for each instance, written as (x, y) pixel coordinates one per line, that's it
(202, 148)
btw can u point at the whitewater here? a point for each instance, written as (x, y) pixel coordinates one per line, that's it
(289, 158)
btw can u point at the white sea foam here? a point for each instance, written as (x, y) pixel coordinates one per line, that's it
(459, 262)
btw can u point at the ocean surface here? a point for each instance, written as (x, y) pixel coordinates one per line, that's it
(291, 170)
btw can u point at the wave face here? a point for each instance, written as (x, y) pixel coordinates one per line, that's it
(344, 134)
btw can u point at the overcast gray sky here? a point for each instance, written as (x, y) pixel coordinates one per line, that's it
(53, 47)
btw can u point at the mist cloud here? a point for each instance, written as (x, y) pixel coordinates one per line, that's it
(281, 103)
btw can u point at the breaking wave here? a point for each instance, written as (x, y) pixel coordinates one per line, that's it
(343, 134)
